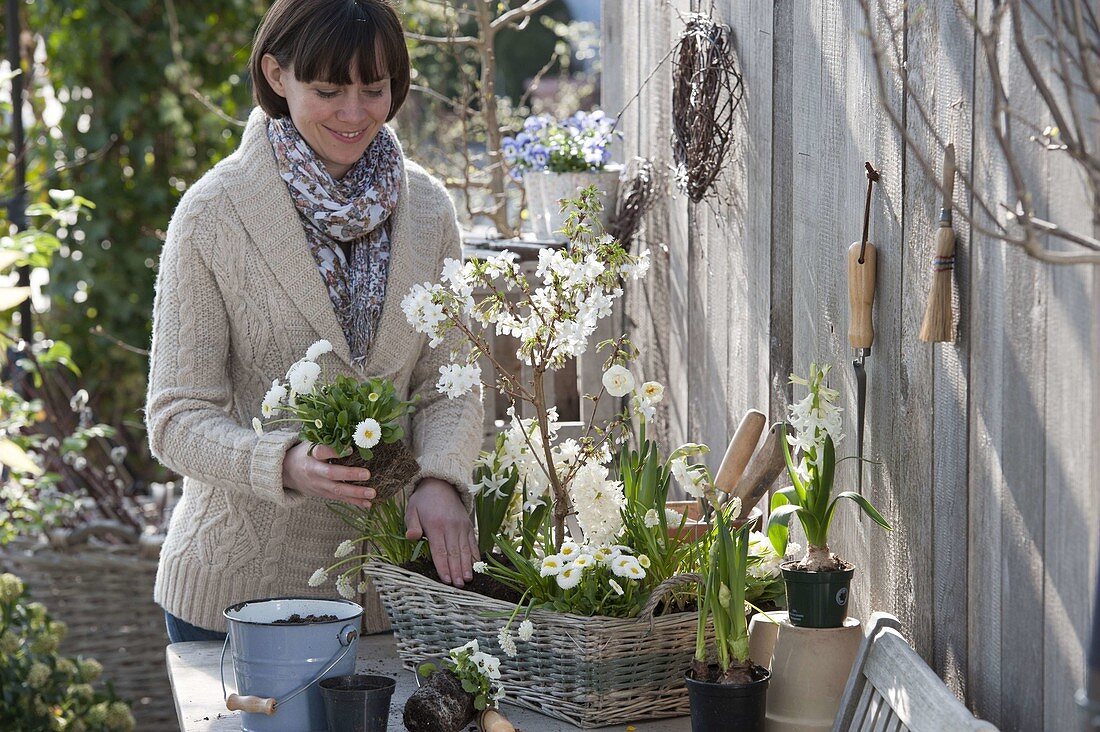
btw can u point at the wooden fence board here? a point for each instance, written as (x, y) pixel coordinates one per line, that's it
(985, 469)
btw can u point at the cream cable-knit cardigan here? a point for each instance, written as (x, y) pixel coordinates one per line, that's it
(238, 300)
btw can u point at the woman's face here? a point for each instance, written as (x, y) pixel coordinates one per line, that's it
(338, 122)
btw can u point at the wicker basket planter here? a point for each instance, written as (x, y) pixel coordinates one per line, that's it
(104, 594)
(588, 671)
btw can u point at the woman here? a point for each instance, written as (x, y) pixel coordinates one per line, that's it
(314, 228)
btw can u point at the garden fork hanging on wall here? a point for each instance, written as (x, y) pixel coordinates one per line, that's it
(862, 263)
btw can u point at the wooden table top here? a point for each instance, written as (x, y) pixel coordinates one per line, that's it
(193, 671)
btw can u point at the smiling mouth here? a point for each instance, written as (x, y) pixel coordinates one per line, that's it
(347, 136)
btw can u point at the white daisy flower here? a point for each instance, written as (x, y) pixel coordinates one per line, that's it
(643, 560)
(582, 561)
(622, 566)
(551, 566)
(303, 376)
(569, 577)
(274, 398)
(367, 433)
(318, 349)
(569, 550)
(258, 426)
(616, 586)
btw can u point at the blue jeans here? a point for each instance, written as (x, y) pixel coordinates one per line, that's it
(180, 631)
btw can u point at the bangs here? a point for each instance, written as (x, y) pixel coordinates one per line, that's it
(345, 38)
(320, 40)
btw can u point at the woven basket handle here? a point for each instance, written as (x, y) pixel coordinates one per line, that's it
(676, 580)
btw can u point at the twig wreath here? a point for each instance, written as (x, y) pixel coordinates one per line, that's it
(637, 194)
(706, 90)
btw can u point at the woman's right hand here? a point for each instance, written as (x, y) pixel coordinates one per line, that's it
(314, 476)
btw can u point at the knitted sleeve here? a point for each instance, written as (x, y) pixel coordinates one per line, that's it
(446, 432)
(186, 412)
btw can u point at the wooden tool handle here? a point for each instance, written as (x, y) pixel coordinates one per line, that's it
(763, 469)
(861, 294)
(740, 449)
(490, 720)
(945, 242)
(948, 175)
(251, 704)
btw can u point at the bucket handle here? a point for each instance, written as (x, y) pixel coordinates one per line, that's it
(268, 705)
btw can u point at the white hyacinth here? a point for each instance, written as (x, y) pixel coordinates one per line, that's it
(651, 518)
(367, 433)
(598, 502)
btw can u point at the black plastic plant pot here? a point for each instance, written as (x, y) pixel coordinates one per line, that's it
(721, 707)
(359, 703)
(817, 599)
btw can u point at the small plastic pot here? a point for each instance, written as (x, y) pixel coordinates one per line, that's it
(358, 703)
(817, 599)
(721, 707)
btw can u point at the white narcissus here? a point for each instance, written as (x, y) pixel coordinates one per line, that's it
(618, 381)
(652, 391)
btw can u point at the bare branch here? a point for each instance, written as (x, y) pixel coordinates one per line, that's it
(442, 40)
(518, 15)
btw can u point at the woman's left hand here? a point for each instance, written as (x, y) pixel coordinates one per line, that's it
(434, 510)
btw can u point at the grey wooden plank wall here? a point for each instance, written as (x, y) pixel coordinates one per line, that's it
(988, 447)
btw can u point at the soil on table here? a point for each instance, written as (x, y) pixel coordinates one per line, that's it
(481, 584)
(440, 705)
(296, 618)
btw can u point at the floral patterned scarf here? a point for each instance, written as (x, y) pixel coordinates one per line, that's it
(354, 210)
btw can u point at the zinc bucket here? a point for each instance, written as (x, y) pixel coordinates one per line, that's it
(279, 660)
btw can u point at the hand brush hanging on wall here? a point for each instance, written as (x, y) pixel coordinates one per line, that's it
(706, 89)
(939, 316)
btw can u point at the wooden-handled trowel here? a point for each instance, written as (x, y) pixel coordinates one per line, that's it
(862, 271)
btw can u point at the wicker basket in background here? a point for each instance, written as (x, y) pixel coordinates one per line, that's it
(588, 671)
(104, 594)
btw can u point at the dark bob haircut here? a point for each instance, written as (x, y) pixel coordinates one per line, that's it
(319, 40)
